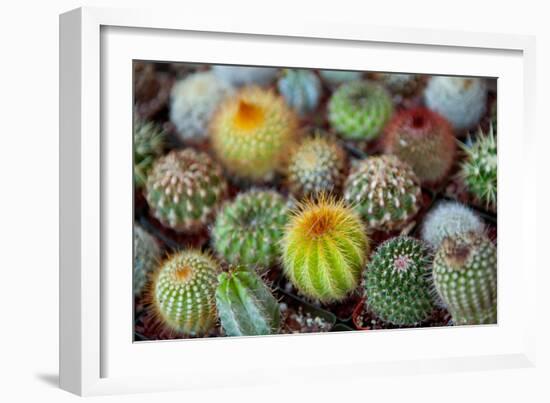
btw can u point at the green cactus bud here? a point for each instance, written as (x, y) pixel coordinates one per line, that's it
(149, 140)
(146, 258)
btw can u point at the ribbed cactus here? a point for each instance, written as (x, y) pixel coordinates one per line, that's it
(461, 100)
(193, 101)
(424, 140)
(248, 230)
(401, 84)
(184, 189)
(384, 191)
(398, 285)
(324, 249)
(358, 110)
(318, 164)
(465, 276)
(246, 306)
(184, 290)
(301, 89)
(146, 258)
(334, 78)
(479, 168)
(240, 75)
(251, 133)
(149, 140)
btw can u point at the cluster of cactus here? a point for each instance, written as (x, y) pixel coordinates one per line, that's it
(149, 142)
(239, 76)
(333, 78)
(246, 306)
(248, 230)
(146, 258)
(465, 276)
(401, 84)
(384, 191)
(184, 189)
(398, 284)
(301, 90)
(251, 133)
(359, 110)
(324, 249)
(424, 140)
(317, 165)
(193, 101)
(461, 100)
(479, 168)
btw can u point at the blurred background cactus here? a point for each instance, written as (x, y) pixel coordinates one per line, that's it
(333, 78)
(149, 143)
(239, 76)
(301, 90)
(147, 255)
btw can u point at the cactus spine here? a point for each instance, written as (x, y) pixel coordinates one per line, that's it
(149, 139)
(301, 89)
(146, 258)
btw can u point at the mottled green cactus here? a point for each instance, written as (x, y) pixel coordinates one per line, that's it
(385, 191)
(398, 286)
(246, 306)
(324, 249)
(184, 290)
(358, 110)
(149, 139)
(248, 230)
(184, 189)
(146, 258)
(465, 276)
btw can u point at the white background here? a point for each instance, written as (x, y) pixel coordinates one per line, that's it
(29, 201)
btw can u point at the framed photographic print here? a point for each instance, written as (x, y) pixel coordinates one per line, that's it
(256, 193)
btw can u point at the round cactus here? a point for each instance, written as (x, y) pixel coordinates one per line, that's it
(251, 133)
(398, 286)
(239, 75)
(334, 78)
(149, 140)
(424, 140)
(146, 258)
(324, 249)
(461, 100)
(401, 84)
(448, 219)
(318, 164)
(301, 90)
(193, 101)
(465, 276)
(385, 191)
(359, 110)
(184, 290)
(248, 230)
(184, 190)
(479, 169)
(246, 306)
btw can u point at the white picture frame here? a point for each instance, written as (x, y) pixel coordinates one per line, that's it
(96, 354)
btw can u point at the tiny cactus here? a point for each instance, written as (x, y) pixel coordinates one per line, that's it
(317, 165)
(424, 140)
(193, 101)
(246, 306)
(251, 133)
(301, 90)
(479, 169)
(334, 78)
(149, 140)
(465, 276)
(184, 190)
(359, 110)
(401, 84)
(248, 230)
(184, 288)
(462, 101)
(239, 76)
(398, 285)
(146, 257)
(385, 192)
(324, 249)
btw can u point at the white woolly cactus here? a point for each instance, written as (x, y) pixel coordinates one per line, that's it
(462, 100)
(193, 101)
(449, 219)
(240, 76)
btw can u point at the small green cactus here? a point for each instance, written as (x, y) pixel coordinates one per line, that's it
(146, 258)
(398, 286)
(246, 306)
(301, 90)
(384, 191)
(184, 290)
(149, 140)
(184, 190)
(358, 110)
(248, 230)
(465, 276)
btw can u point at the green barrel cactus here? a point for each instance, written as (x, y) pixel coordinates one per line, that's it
(146, 258)
(248, 229)
(149, 141)
(465, 276)
(398, 284)
(385, 192)
(184, 289)
(358, 110)
(246, 306)
(301, 90)
(184, 189)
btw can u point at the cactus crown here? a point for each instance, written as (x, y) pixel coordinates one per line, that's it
(149, 139)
